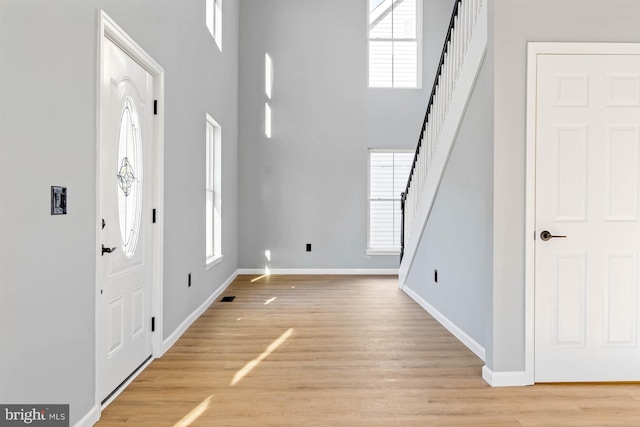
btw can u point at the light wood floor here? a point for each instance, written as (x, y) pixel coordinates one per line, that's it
(341, 351)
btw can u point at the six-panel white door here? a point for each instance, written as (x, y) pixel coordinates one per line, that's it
(126, 177)
(587, 185)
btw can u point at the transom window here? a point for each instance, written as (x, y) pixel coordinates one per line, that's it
(388, 175)
(394, 44)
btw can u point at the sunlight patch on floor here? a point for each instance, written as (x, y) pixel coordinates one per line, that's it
(255, 362)
(194, 414)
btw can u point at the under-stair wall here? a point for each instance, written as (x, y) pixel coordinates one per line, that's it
(457, 239)
(447, 247)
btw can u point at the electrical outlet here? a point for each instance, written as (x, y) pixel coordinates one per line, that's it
(59, 200)
(435, 276)
(308, 247)
(189, 282)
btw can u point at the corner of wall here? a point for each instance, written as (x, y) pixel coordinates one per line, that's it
(506, 379)
(90, 418)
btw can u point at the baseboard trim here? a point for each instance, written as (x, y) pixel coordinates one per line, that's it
(175, 335)
(90, 418)
(505, 379)
(462, 336)
(337, 271)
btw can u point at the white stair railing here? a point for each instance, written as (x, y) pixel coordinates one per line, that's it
(462, 27)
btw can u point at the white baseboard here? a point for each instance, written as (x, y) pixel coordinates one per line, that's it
(171, 339)
(505, 379)
(462, 336)
(345, 271)
(90, 418)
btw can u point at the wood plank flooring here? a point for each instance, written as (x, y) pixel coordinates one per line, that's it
(341, 351)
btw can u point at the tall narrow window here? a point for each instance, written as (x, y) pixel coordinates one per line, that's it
(388, 175)
(268, 75)
(268, 90)
(213, 187)
(394, 44)
(214, 20)
(267, 120)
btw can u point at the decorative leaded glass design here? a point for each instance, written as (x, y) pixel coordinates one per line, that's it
(129, 174)
(126, 177)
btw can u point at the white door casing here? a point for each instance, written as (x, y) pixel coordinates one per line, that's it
(586, 185)
(129, 187)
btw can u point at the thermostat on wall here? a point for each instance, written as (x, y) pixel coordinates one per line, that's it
(58, 200)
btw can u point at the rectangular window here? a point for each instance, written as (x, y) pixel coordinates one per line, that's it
(213, 197)
(268, 89)
(268, 75)
(214, 20)
(267, 120)
(394, 43)
(388, 175)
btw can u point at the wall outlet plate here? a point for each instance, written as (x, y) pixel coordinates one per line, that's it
(58, 200)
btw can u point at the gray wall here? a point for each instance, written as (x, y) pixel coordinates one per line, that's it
(47, 137)
(457, 240)
(516, 23)
(308, 183)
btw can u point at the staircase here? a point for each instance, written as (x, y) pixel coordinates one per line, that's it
(462, 55)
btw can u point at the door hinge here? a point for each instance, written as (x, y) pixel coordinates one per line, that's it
(153, 324)
(155, 107)
(153, 216)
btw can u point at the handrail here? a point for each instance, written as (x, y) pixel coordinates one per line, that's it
(464, 15)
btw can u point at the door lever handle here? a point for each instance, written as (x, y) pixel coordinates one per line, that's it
(545, 235)
(107, 250)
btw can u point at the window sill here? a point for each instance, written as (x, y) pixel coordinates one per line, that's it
(377, 252)
(416, 88)
(213, 261)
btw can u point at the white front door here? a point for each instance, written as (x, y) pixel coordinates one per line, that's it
(125, 192)
(587, 189)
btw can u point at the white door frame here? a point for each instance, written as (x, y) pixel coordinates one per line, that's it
(534, 50)
(108, 29)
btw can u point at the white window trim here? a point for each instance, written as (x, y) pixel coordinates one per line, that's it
(213, 20)
(377, 251)
(215, 260)
(216, 152)
(383, 252)
(419, 19)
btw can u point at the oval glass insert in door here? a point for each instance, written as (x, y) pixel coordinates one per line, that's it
(129, 177)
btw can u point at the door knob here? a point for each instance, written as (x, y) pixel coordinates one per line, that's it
(107, 250)
(545, 235)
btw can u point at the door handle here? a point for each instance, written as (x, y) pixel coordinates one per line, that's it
(545, 235)
(107, 250)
